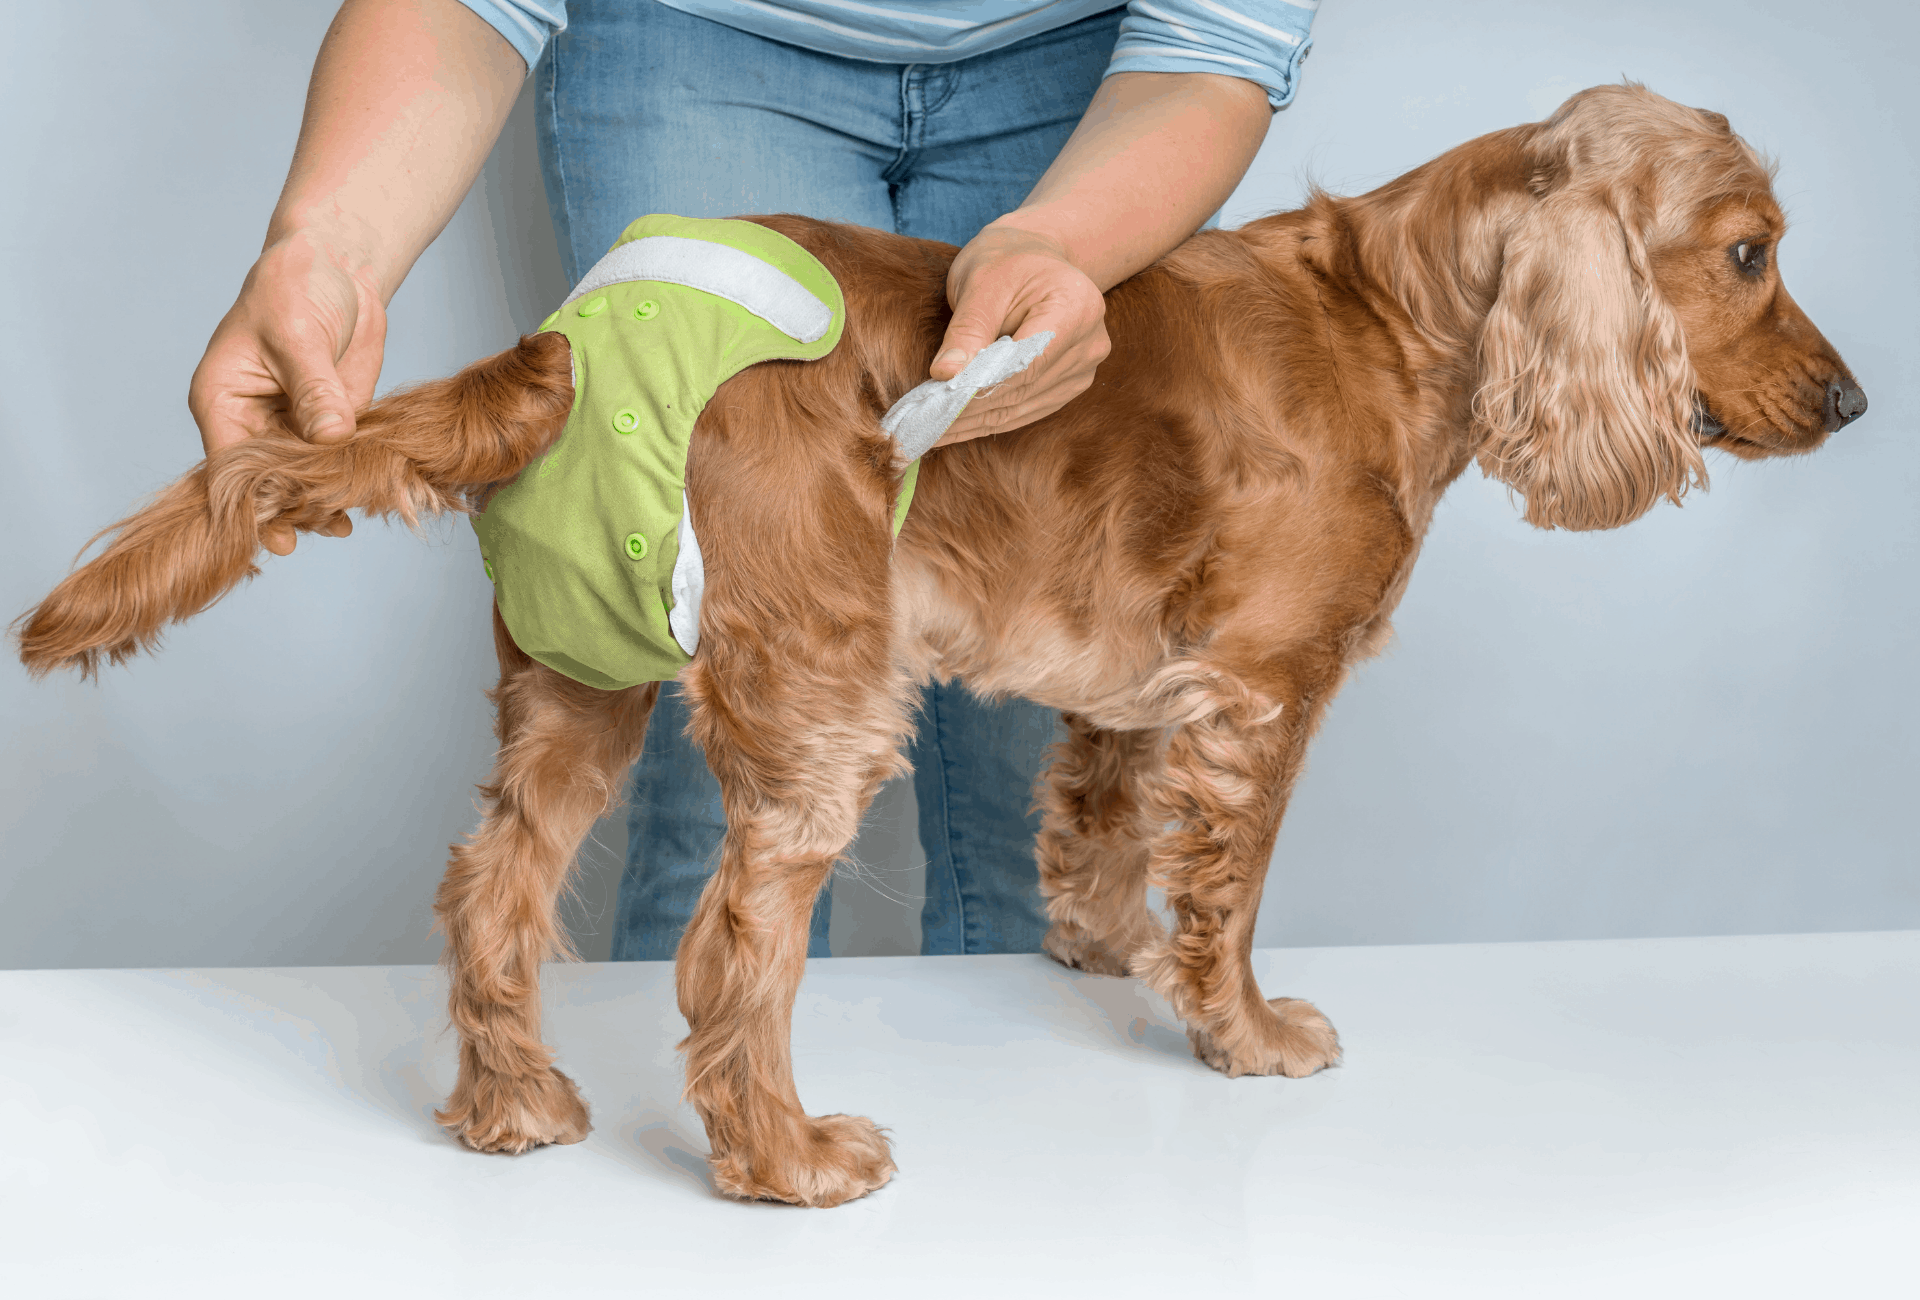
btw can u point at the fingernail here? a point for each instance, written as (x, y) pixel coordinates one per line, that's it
(326, 420)
(954, 355)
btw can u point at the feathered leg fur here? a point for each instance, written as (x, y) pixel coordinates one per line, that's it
(1216, 806)
(564, 750)
(1092, 849)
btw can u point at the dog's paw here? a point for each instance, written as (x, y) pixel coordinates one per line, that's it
(822, 1162)
(1071, 945)
(1296, 1040)
(511, 1113)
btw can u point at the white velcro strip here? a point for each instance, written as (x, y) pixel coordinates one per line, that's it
(917, 420)
(723, 271)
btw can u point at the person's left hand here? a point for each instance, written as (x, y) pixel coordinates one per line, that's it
(1012, 281)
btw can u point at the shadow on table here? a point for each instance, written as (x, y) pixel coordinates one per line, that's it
(650, 1141)
(1114, 1015)
(372, 1037)
(379, 1039)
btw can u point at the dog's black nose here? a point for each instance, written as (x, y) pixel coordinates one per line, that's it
(1845, 403)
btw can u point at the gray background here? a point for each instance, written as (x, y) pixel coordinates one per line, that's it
(1701, 724)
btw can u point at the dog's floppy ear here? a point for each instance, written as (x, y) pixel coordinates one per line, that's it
(1585, 397)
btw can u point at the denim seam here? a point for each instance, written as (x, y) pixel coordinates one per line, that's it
(894, 173)
(946, 822)
(949, 75)
(552, 99)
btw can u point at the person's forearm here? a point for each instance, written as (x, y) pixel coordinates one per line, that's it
(1155, 155)
(406, 100)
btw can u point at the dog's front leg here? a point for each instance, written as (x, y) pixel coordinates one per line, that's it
(564, 749)
(1217, 802)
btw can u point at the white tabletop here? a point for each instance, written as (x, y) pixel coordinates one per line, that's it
(1692, 1117)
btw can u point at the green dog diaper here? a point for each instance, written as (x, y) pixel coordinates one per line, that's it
(592, 551)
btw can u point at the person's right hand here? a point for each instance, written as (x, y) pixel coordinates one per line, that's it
(300, 350)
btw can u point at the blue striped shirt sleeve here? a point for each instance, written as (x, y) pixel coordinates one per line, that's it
(527, 24)
(1260, 40)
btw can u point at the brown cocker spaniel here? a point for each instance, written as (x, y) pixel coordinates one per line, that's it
(1185, 561)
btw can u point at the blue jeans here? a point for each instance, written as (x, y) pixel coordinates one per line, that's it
(645, 109)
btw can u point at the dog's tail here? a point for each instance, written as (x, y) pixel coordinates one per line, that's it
(437, 447)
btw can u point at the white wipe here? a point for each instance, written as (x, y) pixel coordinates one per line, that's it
(689, 583)
(723, 271)
(918, 419)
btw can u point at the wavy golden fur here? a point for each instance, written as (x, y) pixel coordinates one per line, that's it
(1185, 561)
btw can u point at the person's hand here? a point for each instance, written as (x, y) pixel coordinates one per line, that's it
(1013, 281)
(300, 350)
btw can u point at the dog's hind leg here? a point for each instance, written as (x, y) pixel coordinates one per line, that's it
(1216, 806)
(564, 749)
(800, 707)
(1092, 849)
(798, 762)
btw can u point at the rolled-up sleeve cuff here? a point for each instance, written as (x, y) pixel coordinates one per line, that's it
(1262, 41)
(527, 24)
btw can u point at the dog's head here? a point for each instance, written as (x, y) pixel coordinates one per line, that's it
(1641, 317)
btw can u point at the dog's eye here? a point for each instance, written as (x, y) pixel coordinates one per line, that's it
(1750, 256)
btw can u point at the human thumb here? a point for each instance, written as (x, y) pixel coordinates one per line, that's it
(319, 409)
(955, 351)
(974, 325)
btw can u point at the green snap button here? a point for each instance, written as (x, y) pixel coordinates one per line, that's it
(593, 306)
(547, 324)
(636, 546)
(489, 567)
(646, 310)
(626, 420)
